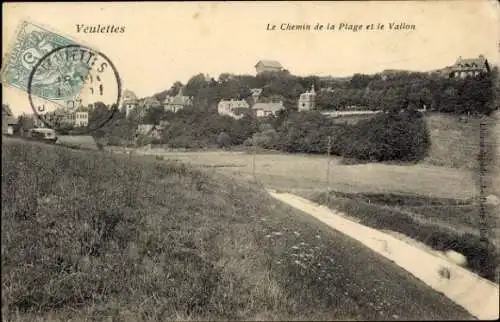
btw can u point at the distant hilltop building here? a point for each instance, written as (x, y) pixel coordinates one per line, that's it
(233, 108)
(464, 67)
(266, 109)
(307, 100)
(177, 102)
(268, 66)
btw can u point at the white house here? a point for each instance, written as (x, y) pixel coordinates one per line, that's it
(129, 102)
(178, 102)
(233, 108)
(307, 100)
(266, 109)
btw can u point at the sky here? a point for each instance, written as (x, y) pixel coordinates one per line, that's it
(166, 42)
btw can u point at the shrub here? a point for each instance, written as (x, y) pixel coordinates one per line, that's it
(223, 140)
(397, 136)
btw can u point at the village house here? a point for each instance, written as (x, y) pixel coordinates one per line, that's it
(129, 102)
(266, 109)
(151, 102)
(8, 120)
(464, 67)
(233, 108)
(75, 116)
(268, 66)
(177, 102)
(307, 100)
(78, 118)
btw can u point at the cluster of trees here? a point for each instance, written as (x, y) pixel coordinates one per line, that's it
(403, 89)
(383, 91)
(388, 136)
(397, 134)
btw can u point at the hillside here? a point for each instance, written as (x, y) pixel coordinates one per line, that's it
(454, 140)
(96, 235)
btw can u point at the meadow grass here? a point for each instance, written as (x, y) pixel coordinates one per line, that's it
(90, 235)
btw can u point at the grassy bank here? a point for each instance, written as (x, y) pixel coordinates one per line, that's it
(89, 235)
(454, 140)
(443, 224)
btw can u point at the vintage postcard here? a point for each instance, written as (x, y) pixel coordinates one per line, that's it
(173, 161)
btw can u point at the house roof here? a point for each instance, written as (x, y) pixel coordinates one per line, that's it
(269, 63)
(256, 91)
(151, 100)
(179, 100)
(234, 103)
(470, 63)
(128, 95)
(268, 107)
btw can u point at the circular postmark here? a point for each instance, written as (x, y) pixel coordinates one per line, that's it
(74, 89)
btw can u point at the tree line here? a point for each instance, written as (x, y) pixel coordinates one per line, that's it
(472, 95)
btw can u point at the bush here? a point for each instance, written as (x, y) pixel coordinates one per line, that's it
(223, 140)
(266, 138)
(398, 136)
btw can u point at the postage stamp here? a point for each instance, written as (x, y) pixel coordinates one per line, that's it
(64, 80)
(31, 44)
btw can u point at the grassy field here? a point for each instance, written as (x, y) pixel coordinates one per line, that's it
(91, 235)
(294, 172)
(437, 197)
(455, 141)
(77, 141)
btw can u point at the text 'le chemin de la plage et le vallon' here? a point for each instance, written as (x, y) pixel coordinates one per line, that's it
(393, 26)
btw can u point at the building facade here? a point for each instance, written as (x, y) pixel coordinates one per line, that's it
(267, 109)
(233, 108)
(177, 102)
(61, 116)
(268, 66)
(151, 102)
(129, 102)
(470, 67)
(307, 100)
(77, 118)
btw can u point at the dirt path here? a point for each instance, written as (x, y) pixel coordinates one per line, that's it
(475, 294)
